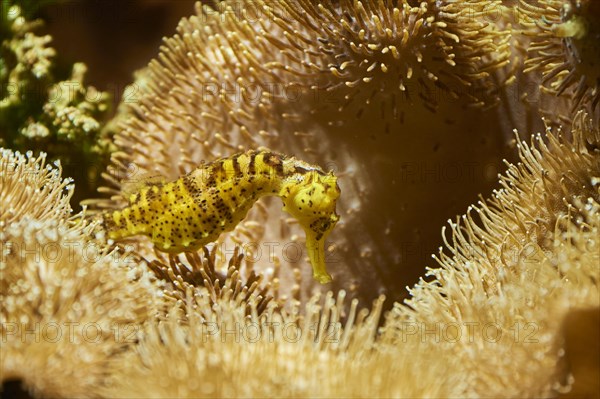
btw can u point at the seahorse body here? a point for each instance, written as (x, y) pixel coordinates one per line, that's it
(194, 210)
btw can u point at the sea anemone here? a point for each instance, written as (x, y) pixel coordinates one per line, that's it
(192, 272)
(565, 47)
(31, 188)
(68, 305)
(524, 259)
(518, 268)
(255, 74)
(275, 354)
(508, 312)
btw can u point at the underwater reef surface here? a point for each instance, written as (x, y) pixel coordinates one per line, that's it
(463, 130)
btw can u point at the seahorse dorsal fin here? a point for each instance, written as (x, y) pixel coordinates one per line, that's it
(135, 184)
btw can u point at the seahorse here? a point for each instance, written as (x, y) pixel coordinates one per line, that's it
(194, 210)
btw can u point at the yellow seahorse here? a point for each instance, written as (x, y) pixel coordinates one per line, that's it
(192, 211)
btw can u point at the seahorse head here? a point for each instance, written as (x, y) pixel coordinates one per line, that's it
(311, 198)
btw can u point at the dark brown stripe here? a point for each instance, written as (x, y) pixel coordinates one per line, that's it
(300, 170)
(274, 161)
(252, 165)
(236, 165)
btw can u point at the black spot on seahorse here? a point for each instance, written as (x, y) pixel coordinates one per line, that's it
(252, 163)
(190, 184)
(216, 172)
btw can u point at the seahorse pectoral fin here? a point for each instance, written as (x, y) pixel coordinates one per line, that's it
(316, 254)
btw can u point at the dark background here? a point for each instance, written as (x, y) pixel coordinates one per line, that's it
(112, 37)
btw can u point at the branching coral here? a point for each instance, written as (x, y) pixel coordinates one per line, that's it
(44, 107)
(66, 109)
